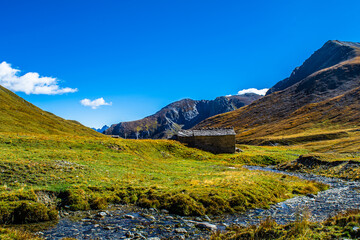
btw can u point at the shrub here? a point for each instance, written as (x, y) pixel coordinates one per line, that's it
(215, 205)
(147, 203)
(183, 204)
(30, 212)
(237, 201)
(76, 199)
(98, 203)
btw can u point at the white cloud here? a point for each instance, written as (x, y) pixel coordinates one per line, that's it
(94, 104)
(30, 83)
(253, 90)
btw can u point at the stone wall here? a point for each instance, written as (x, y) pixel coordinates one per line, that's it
(214, 144)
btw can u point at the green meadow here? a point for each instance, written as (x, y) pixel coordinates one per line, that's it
(84, 173)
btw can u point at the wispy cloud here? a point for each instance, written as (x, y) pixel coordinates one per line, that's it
(30, 83)
(253, 90)
(94, 104)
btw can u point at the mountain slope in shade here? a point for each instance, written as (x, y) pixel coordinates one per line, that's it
(266, 116)
(20, 116)
(182, 114)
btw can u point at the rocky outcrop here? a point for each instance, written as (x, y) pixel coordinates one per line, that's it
(183, 114)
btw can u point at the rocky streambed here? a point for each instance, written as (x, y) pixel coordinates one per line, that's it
(128, 222)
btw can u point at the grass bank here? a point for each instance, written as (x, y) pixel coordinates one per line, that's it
(329, 165)
(342, 226)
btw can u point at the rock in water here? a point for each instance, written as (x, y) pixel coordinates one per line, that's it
(180, 230)
(206, 225)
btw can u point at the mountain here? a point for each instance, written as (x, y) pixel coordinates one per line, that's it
(331, 54)
(182, 114)
(101, 130)
(20, 116)
(297, 104)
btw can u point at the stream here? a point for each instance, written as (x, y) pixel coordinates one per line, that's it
(129, 222)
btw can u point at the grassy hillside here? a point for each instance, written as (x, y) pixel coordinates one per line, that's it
(330, 119)
(20, 116)
(324, 106)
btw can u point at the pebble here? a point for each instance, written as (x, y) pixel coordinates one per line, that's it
(206, 225)
(86, 220)
(180, 230)
(101, 214)
(129, 216)
(164, 211)
(108, 228)
(129, 234)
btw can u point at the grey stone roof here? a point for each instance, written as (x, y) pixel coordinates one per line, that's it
(206, 132)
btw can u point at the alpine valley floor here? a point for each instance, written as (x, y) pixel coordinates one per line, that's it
(43, 175)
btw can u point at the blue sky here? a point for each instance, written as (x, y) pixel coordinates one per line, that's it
(141, 55)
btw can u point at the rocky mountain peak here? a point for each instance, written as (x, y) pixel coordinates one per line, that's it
(317, 92)
(183, 114)
(330, 54)
(101, 130)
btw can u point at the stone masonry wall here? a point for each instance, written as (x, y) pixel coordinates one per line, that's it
(214, 144)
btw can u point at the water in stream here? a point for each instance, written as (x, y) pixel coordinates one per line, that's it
(136, 223)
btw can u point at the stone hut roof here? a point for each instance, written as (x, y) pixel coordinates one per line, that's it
(206, 132)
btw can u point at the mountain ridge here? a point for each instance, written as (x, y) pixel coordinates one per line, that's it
(331, 53)
(102, 129)
(260, 118)
(182, 114)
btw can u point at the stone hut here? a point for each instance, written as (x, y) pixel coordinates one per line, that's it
(215, 140)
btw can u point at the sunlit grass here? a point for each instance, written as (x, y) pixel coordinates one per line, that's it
(90, 172)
